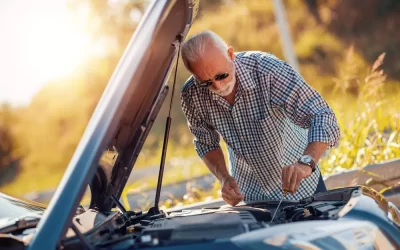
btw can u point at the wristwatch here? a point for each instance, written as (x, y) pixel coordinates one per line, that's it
(307, 160)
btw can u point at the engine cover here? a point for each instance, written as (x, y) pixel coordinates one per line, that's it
(208, 224)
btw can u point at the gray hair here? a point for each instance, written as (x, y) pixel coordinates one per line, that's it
(195, 47)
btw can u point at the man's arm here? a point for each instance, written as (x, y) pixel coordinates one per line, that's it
(305, 107)
(215, 161)
(207, 146)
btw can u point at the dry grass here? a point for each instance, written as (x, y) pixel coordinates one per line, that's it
(368, 117)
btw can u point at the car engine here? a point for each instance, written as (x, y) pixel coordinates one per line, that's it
(208, 224)
(212, 224)
(192, 225)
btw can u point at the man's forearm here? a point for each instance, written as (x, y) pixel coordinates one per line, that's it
(316, 150)
(215, 161)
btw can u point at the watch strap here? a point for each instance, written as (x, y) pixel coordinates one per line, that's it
(311, 163)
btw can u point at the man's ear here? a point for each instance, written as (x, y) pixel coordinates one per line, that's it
(231, 53)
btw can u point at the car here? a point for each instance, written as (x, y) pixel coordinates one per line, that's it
(354, 217)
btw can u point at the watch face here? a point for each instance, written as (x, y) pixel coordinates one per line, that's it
(306, 158)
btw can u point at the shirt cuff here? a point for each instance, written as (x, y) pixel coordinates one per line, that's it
(324, 129)
(203, 149)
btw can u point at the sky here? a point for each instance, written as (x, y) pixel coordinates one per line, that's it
(40, 41)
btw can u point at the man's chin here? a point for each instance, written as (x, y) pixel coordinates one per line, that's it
(226, 92)
(223, 93)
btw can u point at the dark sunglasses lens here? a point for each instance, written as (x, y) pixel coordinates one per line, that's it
(221, 77)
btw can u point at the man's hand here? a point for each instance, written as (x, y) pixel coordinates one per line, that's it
(293, 174)
(215, 161)
(230, 191)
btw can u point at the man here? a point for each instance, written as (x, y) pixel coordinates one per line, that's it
(276, 127)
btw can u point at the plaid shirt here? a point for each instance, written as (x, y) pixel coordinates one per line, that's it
(274, 117)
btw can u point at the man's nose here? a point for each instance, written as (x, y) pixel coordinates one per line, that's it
(217, 84)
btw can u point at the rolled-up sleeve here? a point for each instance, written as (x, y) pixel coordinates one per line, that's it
(206, 138)
(303, 105)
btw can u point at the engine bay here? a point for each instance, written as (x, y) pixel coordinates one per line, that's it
(207, 224)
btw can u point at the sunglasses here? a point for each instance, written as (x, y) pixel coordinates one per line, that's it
(208, 83)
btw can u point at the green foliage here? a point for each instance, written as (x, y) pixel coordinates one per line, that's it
(8, 160)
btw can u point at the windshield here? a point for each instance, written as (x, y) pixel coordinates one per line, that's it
(12, 208)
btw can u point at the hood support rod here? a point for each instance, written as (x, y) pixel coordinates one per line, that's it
(155, 210)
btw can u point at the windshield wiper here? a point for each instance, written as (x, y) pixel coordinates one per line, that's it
(31, 221)
(154, 211)
(23, 222)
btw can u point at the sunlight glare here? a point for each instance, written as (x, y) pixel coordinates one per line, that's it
(43, 42)
(56, 46)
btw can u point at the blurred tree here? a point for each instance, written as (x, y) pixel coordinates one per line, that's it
(8, 161)
(211, 5)
(312, 6)
(371, 26)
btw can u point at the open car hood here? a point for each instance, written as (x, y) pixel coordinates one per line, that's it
(122, 119)
(144, 69)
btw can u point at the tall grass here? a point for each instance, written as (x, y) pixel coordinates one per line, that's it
(368, 117)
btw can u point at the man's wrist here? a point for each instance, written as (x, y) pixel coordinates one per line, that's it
(221, 174)
(307, 160)
(306, 169)
(223, 178)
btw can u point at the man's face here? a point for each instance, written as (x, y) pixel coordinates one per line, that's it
(217, 68)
